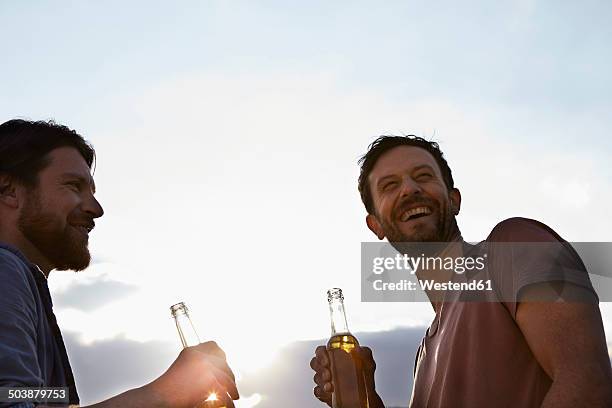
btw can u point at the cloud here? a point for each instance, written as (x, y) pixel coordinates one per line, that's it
(91, 295)
(108, 367)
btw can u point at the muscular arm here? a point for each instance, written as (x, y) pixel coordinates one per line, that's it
(568, 341)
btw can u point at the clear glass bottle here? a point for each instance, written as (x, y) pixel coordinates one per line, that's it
(347, 371)
(189, 337)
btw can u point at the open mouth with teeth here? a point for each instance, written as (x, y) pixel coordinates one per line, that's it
(85, 229)
(415, 213)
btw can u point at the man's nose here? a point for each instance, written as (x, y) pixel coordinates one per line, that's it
(409, 187)
(92, 207)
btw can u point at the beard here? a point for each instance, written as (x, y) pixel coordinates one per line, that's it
(444, 229)
(57, 241)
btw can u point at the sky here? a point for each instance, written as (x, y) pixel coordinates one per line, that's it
(227, 135)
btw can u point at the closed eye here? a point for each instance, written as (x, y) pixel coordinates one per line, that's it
(424, 176)
(389, 185)
(74, 185)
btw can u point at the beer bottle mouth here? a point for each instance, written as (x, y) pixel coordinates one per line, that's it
(334, 294)
(179, 308)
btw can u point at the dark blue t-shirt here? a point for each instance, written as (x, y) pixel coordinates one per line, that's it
(32, 352)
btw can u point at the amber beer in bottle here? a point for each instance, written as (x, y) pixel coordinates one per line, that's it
(189, 337)
(347, 372)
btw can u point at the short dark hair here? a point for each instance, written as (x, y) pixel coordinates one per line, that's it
(385, 143)
(24, 146)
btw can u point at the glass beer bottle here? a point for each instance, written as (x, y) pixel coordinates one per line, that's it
(189, 337)
(347, 372)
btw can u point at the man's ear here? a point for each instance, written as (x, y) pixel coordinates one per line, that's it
(375, 226)
(8, 191)
(455, 201)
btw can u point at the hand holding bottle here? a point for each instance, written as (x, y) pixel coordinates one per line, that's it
(344, 370)
(192, 376)
(320, 363)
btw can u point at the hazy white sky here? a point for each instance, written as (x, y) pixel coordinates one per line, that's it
(227, 135)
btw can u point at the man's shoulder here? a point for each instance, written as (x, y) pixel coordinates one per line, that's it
(519, 229)
(11, 262)
(15, 274)
(20, 322)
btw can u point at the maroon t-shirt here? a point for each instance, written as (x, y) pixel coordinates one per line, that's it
(474, 354)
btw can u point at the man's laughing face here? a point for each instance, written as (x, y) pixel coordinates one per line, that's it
(412, 203)
(59, 211)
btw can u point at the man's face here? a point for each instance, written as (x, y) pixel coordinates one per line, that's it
(58, 213)
(411, 200)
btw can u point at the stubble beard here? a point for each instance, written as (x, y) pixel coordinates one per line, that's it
(63, 247)
(444, 231)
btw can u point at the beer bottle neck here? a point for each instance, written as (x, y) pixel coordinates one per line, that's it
(338, 317)
(184, 326)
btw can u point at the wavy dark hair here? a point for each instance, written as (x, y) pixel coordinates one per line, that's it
(24, 146)
(385, 143)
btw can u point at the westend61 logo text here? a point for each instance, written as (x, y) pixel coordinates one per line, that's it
(413, 264)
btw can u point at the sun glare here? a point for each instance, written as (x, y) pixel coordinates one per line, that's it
(248, 402)
(252, 356)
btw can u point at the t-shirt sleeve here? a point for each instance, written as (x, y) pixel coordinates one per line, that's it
(18, 320)
(528, 252)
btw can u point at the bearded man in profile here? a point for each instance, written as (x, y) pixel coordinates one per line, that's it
(47, 211)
